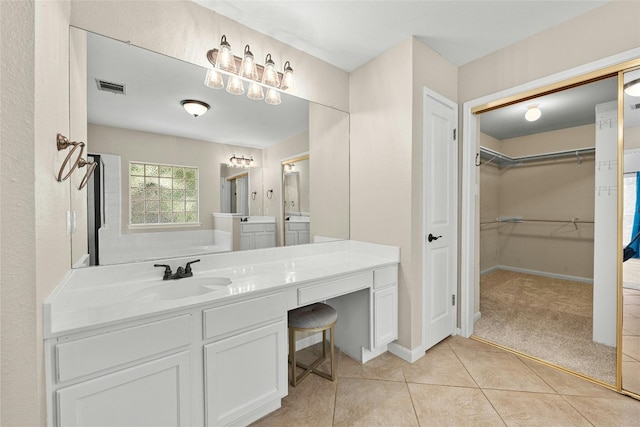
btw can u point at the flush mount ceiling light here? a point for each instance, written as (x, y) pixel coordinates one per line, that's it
(632, 88)
(533, 113)
(194, 107)
(245, 69)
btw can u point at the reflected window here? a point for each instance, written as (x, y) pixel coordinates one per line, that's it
(162, 194)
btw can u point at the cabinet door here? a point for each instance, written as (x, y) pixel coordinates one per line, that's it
(245, 372)
(247, 241)
(265, 240)
(154, 394)
(385, 316)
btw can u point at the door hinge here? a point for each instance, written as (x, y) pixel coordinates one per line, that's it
(455, 132)
(453, 300)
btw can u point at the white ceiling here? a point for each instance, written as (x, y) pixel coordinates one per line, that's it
(348, 34)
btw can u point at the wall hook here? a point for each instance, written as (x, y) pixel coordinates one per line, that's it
(269, 194)
(253, 195)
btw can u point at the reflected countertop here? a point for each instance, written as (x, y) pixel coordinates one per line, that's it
(107, 295)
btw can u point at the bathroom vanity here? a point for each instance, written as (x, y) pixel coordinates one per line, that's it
(123, 347)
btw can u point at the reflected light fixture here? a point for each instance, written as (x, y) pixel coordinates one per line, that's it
(241, 162)
(194, 107)
(632, 88)
(244, 69)
(533, 113)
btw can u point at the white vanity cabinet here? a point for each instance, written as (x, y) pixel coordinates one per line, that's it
(133, 376)
(257, 235)
(385, 306)
(246, 362)
(296, 232)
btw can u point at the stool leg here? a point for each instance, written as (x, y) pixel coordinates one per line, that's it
(324, 343)
(292, 355)
(333, 375)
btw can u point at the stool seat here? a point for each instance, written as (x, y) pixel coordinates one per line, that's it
(312, 316)
(316, 317)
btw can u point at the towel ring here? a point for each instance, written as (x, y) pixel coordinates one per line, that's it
(65, 144)
(91, 166)
(269, 194)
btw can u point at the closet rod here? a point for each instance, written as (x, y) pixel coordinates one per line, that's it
(503, 158)
(518, 220)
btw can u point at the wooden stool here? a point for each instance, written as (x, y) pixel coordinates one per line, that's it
(311, 318)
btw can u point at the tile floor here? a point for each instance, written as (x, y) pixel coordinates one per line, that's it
(458, 382)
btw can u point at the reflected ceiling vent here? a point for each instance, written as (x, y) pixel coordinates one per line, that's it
(111, 87)
(635, 106)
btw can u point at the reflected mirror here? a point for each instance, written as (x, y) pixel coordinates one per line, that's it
(164, 187)
(539, 288)
(631, 238)
(295, 191)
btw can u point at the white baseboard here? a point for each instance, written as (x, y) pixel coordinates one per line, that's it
(477, 316)
(404, 353)
(539, 273)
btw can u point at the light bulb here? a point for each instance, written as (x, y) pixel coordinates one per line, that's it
(235, 86)
(270, 75)
(225, 60)
(255, 91)
(533, 113)
(213, 79)
(272, 97)
(288, 81)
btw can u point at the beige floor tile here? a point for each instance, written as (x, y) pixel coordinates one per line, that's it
(384, 367)
(363, 402)
(311, 403)
(439, 365)
(452, 406)
(632, 324)
(534, 409)
(503, 371)
(564, 383)
(607, 412)
(458, 344)
(631, 345)
(631, 376)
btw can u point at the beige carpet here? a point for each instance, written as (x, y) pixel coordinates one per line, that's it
(547, 318)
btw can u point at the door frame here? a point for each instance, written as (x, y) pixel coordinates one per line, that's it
(470, 188)
(455, 214)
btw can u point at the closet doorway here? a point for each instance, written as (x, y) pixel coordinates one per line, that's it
(537, 216)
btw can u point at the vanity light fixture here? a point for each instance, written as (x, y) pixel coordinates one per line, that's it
(245, 69)
(632, 88)
(241, 162)
(194, 107)
(533, 113)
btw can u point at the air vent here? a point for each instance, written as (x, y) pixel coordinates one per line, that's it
(111, 87)
(635, 106)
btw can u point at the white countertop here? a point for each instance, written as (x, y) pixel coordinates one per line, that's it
(100, 296)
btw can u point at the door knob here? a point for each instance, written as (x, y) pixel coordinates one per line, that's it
(431, 237)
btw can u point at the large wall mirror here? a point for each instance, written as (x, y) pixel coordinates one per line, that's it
(547, 170)
(169, 183)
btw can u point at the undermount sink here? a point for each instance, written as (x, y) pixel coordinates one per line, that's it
(182, 288)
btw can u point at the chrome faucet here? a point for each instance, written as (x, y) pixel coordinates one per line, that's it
(180, 272)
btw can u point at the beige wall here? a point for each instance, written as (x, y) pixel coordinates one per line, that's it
(149, 147)
(558, 189)
(386, 130)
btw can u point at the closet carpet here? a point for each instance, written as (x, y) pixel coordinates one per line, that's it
(547, 318)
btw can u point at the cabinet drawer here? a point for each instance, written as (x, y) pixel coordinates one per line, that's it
(233, 317)
(269, 227)
(298, 226)
(252, 228)
(333, 288)
(385, 277)
(88, 355)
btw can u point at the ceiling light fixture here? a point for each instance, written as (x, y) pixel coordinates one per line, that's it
(632, 88)
(533, 113)
(245, 69)
(195, 108)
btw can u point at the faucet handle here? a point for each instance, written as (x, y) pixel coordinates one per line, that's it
(167, 271)
(187, 269)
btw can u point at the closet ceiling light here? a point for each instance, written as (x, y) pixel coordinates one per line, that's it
(533, 113)
(632, 88)
(195, 108)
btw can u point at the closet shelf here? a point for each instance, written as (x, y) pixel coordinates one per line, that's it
(501, 160)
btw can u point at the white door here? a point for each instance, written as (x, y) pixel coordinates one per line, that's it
(440, 171)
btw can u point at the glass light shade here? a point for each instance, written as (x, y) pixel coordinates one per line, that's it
(235, 86)
(272, 97)
(270, 75)
(248, 68)
(255, 91)
(288, 81)
(632, 88)
(533, 113)
(225, 60)
(213, 79)
(195, 108)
